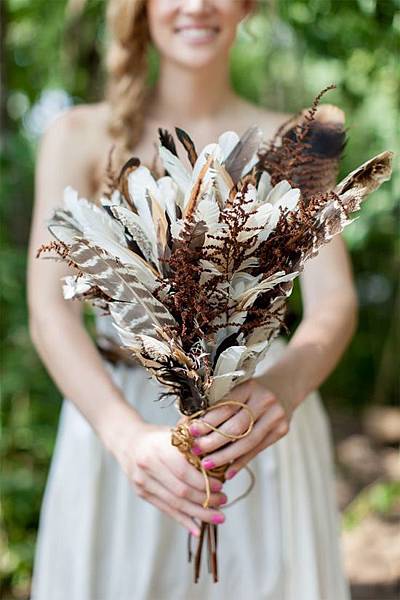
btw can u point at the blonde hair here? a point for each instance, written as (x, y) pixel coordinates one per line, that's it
(127, 68)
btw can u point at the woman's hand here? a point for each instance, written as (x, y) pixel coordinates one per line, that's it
(271, 422)
(161, 475)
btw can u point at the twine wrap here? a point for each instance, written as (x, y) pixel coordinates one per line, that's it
(183, 439)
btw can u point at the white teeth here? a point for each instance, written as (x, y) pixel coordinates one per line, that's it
(197, 33)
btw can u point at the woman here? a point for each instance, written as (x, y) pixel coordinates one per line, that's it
(99, 539)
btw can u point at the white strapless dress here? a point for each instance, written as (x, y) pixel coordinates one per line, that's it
(98, 541)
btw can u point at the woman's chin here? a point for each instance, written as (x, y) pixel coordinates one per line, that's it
(195, 57)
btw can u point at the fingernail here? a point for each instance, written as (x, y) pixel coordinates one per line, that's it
(195, 532)
(208, 463)
(194, 430)
(216, 487)
(218, 519)
(196, 449)
(223, 500)
(230, 474)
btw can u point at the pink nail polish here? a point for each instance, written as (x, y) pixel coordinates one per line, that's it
(196, 449)
(218, 519)
(216, 487)
(223, 500)
(195, 532)
(230, 474)
(194, 430)
(208, 463)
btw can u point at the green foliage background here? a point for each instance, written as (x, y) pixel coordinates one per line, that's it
(284, 55)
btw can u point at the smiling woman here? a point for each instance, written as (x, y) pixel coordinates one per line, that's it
(99, 539)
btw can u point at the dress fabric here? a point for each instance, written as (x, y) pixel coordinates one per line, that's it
(97, 540)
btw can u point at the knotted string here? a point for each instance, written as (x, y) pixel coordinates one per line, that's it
(183, 439)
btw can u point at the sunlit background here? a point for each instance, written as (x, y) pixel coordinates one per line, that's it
(51, 59)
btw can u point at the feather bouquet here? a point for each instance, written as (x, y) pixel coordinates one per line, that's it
(195, 266)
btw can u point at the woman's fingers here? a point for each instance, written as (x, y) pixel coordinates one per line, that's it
(275, 435)
(274, 418)
(218, 415)
(238, 424)
(214, 417)
(235, 426)
(239, 464)
(182, 489)
(180, 504)
(181, 518)
(174, 461)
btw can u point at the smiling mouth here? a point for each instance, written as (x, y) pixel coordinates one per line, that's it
(197, 33)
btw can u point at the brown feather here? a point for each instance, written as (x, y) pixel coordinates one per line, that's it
(188, 144)
(131, 165)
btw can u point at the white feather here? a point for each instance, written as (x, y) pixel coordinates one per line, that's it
(75, 286)
(227, 141)
(289, 200)
(168, 189)
(175, 168)
(140, 182)
(264, 187)
(98, 227)
(134, 224)
(213, 150)
(278, 191)
(248, 297)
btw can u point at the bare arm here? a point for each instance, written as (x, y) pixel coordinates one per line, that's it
(329, 320)
(56, 325)
(158, 471)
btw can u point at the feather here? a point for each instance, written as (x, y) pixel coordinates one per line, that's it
(188, 144)
(134, 225)
(119, 282)
(248, 297)
(76, 286)
(211, 150)
(64, 227)
(131, 165)
(225, 372)
(167, 141)
(227, 141)
(242, 152)
(364, 180)
(196, 189)
(176, 170)
(264, 187)
(140, 183)
(222, 182)
(264, 218)
(132, 317)
(277, 192)
(97, 226)
(169, 192)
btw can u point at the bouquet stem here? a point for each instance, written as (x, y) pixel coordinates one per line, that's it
(183, 440)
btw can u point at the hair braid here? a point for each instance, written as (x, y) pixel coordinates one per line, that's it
(127, 71)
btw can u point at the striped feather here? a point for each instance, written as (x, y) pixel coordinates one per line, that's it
(118, 282)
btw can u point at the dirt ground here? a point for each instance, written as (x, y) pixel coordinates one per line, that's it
(368, 467)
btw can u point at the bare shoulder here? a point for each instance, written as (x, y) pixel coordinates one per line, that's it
(86, 122)
(79, 138)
